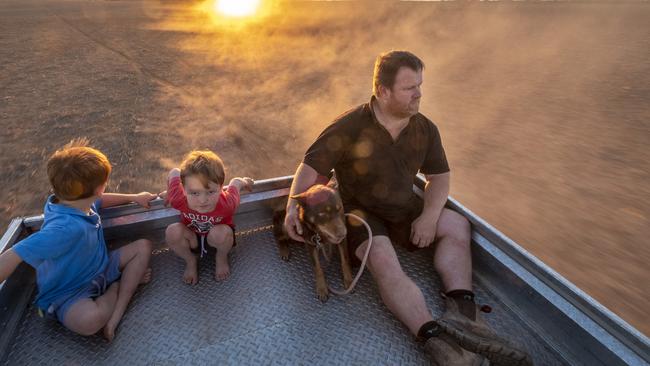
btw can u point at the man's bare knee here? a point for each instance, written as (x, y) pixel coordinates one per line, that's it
(382, 259)
(456, 228)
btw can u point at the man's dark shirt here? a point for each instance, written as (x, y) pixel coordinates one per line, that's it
(374, 172)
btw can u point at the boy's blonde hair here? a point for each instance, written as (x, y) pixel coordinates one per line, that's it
(205, 165)
(76, 170)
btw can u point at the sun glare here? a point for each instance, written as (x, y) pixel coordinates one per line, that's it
(237, 8)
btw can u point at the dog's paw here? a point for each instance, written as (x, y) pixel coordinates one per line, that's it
(347, 283)
(323, 294)
(323, 297)
(283, 248)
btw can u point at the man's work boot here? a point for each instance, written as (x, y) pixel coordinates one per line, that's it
(475, 336)
(444, 351)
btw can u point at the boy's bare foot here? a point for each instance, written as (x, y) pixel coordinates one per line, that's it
(146, 277)
(191, 275)
(109, 331)
(222, 267)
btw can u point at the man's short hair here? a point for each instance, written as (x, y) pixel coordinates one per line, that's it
(76, 170)
(205, 165)
(387, 65)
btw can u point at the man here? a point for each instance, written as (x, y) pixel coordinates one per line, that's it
(376, 150)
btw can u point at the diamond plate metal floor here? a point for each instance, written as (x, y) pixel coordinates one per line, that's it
(266, 313)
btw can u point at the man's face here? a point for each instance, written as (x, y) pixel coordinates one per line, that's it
(199, 198)
(403, 99)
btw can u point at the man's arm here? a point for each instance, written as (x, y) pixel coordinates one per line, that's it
(436, 190)
(305, 177)
(9, 260)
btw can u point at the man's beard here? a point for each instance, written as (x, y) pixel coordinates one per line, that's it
(399, 110)
(414, 107)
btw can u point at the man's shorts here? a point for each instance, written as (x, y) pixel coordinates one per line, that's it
(208, 250)
(96, 288)
(397, 229)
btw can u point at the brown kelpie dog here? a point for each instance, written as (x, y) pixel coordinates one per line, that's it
(320, 212)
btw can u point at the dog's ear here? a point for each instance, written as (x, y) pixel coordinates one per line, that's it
(300, 198)
(333, 183)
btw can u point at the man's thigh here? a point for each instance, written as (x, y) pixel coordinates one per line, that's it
(454, 225)
(357, 233)
(382, 259)
(400, 231)
(450, 224)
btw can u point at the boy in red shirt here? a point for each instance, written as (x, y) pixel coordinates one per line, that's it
(207, 210)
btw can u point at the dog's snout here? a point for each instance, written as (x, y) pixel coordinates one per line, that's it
(334, 234)
(340, 235)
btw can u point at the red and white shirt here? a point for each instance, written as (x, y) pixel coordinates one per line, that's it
(202, 222)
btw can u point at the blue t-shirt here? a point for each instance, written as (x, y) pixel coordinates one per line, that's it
(68, 252)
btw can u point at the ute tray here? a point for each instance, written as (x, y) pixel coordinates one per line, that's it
(266, 313)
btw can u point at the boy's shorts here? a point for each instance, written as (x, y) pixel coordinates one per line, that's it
(399, 231)
(96, 288)
(208, 250)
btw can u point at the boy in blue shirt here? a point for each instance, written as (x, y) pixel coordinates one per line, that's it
(77, 277)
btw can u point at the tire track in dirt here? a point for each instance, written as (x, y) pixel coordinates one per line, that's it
(140, 67)
(259, 138)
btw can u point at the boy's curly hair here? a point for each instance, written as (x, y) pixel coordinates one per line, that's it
(76, 170)
(205, 165)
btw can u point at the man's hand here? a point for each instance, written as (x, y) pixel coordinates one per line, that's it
(292, 223)
(423, 230)
(143, 199)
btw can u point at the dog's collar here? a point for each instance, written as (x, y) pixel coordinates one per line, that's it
(313, 237)
(316, 239)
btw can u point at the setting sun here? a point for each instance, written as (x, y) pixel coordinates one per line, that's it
(237, 8)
